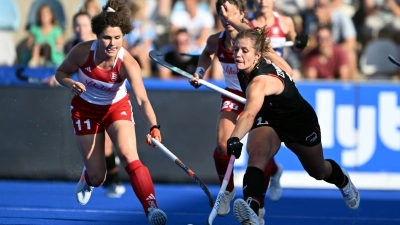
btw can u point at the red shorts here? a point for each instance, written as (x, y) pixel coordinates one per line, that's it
(228, 104)
(88, 118)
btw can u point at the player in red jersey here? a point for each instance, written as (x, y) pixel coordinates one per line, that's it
(101, 102)
(280, 28)
(231, 14)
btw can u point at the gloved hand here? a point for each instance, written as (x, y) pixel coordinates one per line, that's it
(154, 133)
(234, 147)
(301, 41)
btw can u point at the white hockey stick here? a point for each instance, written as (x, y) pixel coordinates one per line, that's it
(185, 168)
(286, 44)
(157, 57)
(221, 192)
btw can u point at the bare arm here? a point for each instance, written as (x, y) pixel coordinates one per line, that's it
(310, 73)
(132, 72)
(258, 88)
(216, 70)
(71, 64)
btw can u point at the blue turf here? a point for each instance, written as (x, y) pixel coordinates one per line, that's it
(25, 202)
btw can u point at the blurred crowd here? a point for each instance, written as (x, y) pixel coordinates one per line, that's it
(348, 39)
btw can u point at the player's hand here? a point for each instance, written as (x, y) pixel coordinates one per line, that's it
(78, 88)
(51, 81)
(234, 147)
(229, 11)
(154, 133)
(301, 41)
(199, 74)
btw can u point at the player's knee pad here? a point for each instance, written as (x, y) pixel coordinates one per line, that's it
(253, 183)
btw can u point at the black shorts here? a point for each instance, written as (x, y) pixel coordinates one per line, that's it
(305, 132)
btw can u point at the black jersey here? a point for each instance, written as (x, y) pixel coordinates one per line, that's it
(288, 112)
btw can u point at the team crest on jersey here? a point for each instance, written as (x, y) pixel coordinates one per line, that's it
(275, 30)
(114, 76)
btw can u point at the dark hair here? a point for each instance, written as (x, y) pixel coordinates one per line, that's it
(238, 3)
(326, 26)
(80, 14)
(39, 19)
(258, 38)
(120, 18)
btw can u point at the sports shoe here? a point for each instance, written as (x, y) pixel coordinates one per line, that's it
(261, 214)
(115, 190)
(157, 216)
(83, 190)
(350, 193)
(275, 188)
(244, 214)
(225, 205)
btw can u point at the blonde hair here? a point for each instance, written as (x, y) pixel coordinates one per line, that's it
(258, 39)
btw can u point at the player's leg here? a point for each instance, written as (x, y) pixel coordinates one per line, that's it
(262, 144)
(225, 125)
(91, 147)
(112, 184)
(313, 161)
(123, 136)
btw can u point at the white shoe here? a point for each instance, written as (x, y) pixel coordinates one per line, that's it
(225, 205)
(157, 216)
(275, 188)
(115, 190)
(244, 214)
(350, 193)
(83, 190)
(261, 214)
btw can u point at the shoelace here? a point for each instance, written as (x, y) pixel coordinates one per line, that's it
(349, 193)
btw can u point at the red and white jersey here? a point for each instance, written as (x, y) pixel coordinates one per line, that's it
(275, 33)
(228, 65)
(103, 87)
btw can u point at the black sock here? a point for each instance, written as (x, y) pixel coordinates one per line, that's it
(253, 187)
(337, 176)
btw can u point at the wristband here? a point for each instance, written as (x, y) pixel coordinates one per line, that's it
(155, 126)
(200, 71)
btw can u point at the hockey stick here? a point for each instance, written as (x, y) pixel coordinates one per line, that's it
(156, 56)
(221, 192)
(393, 60)
(186, 169)
(286, 44)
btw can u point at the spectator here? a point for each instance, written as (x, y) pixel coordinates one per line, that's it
(381, 15)
(181, 43)
(327, 60)
(198, 22)
(45, 41)
(91, 7)
(342, 29)
(140, 41)
(82, 30)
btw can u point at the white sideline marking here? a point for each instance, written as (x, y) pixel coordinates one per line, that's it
(362, 180)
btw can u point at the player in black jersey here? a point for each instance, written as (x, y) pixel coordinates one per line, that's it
(275, 112)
